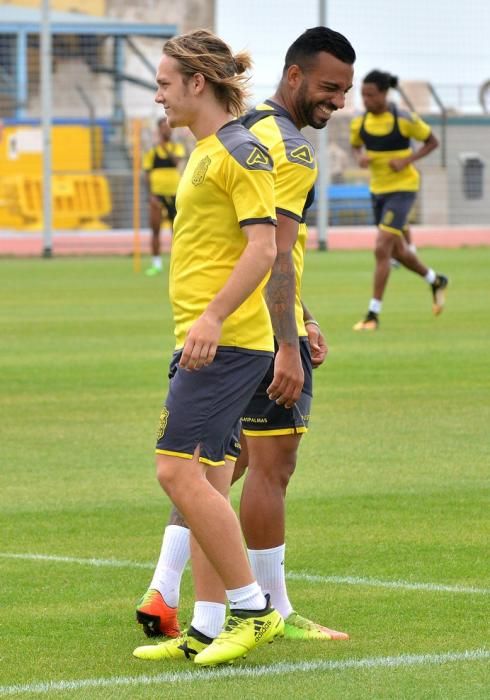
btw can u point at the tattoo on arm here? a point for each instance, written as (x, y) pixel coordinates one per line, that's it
(176, 518)
(280, 297)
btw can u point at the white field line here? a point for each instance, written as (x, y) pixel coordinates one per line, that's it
(115, 563)
(291, 575)
(278, 669)
(378, 583)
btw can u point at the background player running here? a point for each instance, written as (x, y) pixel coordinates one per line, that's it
(381, 142)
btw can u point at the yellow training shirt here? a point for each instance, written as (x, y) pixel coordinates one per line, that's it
(228, 182)
(386, 136)
(296, 172)
(164, 176)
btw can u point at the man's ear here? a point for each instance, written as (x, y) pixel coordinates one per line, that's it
(198, 81)
(294, 76)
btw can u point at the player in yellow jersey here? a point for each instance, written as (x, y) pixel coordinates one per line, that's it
(161, 166)
(222, 253)
(317, 74)
(321, 60)
(381, 139)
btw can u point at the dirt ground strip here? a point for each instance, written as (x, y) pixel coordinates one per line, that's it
(122, 242)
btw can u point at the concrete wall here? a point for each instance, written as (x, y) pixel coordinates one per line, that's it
(470, 137)
(72, 73)
(186, 14)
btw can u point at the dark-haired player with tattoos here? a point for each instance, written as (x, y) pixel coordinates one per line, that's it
(317, 74)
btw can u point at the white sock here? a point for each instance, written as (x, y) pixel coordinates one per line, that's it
(208, 618)
(412, 247)
(268, 567)
(375, 306)
(156, 261)
(174, 555)
(430, 277)
(247, 597)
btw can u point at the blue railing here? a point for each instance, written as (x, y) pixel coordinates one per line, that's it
(348, 204)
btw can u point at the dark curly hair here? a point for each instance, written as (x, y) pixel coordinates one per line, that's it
(383, 81)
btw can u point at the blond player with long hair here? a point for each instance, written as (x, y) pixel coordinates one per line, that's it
(222, 253)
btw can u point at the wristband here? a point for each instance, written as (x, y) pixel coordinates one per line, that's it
(312, 322)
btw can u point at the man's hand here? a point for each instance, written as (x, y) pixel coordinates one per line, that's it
(318, 345)
(287, 385)
(363, 161)
(398, 164)
(201, 342)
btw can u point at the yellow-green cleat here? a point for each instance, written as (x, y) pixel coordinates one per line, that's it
(186, 646)
(244, 630)
(298, 627)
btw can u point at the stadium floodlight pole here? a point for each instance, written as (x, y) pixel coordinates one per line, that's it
(322, 145)
(46, 108)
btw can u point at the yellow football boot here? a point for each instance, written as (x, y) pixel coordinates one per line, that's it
(243, 631)
(299, 627)
(186, 646)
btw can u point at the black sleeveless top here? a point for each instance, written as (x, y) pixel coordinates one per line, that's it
(394, 141)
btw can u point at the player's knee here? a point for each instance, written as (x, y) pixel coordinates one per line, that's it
(281, 471)
(382, 251)
(166, 476)
(287, 470)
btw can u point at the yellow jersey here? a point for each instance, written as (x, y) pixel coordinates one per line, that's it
(296, 172)
(387, 136)
(227, 183)
(164, 176)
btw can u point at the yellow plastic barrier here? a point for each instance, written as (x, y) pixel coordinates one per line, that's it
(79, 202)
(9, 216)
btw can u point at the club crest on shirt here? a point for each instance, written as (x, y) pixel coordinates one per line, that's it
(200, 172)
(163, 423)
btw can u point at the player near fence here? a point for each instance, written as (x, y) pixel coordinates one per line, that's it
(161, 165)
(381, 140)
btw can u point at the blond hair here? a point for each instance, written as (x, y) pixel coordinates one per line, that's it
(201, 51)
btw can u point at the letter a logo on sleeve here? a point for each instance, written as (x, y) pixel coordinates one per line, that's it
(303, 154)
(258, 158)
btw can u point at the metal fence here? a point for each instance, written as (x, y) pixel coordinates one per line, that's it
(103, 121)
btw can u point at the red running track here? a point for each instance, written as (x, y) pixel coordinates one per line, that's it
(120, 242)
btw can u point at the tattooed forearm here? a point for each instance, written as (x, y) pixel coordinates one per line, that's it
(280, 297)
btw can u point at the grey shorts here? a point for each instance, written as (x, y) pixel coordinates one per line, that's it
(391, 210)
(203, 408)
(264, 417)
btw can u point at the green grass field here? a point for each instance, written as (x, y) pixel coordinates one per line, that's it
(387, 513)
